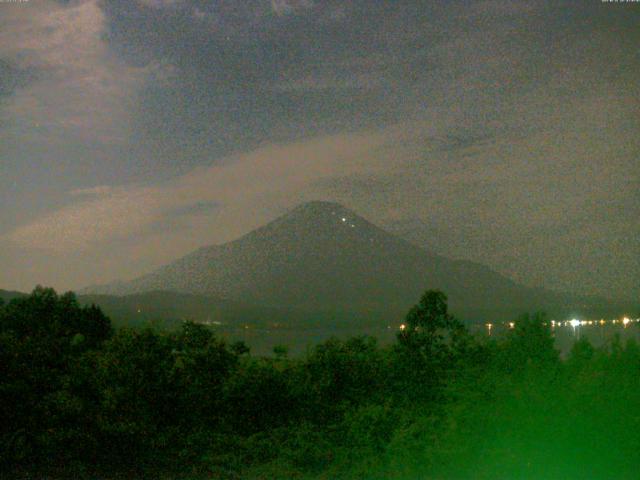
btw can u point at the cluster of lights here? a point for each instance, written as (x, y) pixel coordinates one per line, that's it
(574, 323)
(625, 321)
(344, 220)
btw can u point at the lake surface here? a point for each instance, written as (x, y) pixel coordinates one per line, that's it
(262, 340)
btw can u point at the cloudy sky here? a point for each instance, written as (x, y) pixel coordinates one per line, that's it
(506, 132)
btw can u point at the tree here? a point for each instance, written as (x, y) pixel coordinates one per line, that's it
(239, 347)
(202, 365)
(429, 328)
(44, 416)
(341, 373)
(44, 313)
(281, 351)
(531, 343)
(429, 343)
(581, 352)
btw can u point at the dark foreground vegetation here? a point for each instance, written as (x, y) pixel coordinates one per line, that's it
(78, 400)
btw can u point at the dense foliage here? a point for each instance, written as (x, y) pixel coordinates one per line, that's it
(78, 400)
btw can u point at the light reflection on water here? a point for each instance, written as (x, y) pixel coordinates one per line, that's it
(565, 336)
(262, 340)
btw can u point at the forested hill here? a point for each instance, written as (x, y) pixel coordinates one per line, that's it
(8, 295)
(165, 309)
(81, 400)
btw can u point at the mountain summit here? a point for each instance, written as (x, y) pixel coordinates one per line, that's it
(323, 256)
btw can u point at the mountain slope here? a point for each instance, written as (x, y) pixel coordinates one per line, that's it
(322, 256)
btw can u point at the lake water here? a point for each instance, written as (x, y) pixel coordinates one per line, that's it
(262, 340)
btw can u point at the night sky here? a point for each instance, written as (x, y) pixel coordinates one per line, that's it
(505, 132)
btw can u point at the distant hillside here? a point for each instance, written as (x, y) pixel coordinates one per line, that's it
(324, 257)
(7, 295)
(167, 308)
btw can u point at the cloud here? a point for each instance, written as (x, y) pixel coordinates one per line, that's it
(75, 85)
(159, 4)
(13, 76)
(98, 191)
(239, 184)
(507, 125)
(495, 194)
(288, 7)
